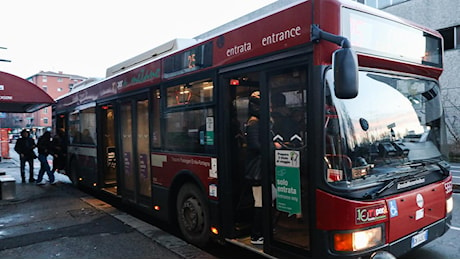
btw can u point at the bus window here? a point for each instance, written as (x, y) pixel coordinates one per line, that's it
(190, 131)
(190, 93)
(83, 127)
(156, 133)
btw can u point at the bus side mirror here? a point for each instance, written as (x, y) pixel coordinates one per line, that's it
(345, 66)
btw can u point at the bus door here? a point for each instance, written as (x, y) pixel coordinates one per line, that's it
(107, 150)
(283, 150)
(287, 132)
(134, 155)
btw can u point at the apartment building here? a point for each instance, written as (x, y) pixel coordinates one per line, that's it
(55, 84)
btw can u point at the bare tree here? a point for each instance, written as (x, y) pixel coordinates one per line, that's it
(453, 123)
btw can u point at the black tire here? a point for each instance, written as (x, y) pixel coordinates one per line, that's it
(193, 215)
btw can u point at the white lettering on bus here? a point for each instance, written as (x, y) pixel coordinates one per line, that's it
(238, 49)
(281, 36)
(6, 97)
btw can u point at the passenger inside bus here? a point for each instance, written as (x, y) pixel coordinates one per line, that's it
(253, 171)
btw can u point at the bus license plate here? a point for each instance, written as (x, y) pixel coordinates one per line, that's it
(419, 238)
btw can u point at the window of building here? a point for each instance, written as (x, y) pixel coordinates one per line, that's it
(44, 79)
(451, 37)
(45, 110)
(60, 80)
(59, 89)
(45, 88)
(45, 120)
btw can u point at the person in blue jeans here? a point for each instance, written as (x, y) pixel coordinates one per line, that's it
(45, 147)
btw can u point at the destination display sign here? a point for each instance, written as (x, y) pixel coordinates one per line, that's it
(378, 36)
(189, 60)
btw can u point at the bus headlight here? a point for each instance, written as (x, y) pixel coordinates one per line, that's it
(358, 240)
(449, 205)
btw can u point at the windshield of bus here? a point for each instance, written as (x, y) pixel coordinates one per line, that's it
(390, 131)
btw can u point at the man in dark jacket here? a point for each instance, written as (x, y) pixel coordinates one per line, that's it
(25, 148)
(45, 148)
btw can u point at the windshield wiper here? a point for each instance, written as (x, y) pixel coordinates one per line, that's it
(384, 188)
(443, 165)
(390, 183)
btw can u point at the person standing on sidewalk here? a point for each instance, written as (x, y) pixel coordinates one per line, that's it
(25, 148)
(45, 147)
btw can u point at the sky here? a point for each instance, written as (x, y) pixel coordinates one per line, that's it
(85, 37)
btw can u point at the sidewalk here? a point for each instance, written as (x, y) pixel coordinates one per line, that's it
(60, 221)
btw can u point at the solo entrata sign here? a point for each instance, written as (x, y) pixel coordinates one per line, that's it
(287, 181)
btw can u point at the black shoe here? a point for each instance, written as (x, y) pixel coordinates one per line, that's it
(23, 180)
(32, 180)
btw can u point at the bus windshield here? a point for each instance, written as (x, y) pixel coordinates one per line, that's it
(389, 133)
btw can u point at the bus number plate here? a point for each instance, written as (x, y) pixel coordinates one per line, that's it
(419, 238)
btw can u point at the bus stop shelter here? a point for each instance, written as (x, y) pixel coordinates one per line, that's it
(18, 95)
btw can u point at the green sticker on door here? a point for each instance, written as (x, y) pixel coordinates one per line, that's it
(287, 181)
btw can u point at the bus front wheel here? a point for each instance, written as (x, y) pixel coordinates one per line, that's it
(193, 215)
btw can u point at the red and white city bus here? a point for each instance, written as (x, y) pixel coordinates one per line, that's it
(360, 172)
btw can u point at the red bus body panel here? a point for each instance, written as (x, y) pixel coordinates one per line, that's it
(264, 36)
(402, 215)
(416, 209)
(165, 167)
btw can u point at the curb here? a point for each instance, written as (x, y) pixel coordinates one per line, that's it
(170, 242)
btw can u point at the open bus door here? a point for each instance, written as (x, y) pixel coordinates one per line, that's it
(283, 138)
(108, 148)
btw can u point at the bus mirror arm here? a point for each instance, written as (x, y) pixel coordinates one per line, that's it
(344, 63)
(318, 34)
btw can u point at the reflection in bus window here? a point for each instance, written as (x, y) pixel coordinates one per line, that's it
(397, 129)
(83, 127)
(190, 93)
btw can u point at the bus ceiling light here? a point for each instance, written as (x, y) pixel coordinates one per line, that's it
(234, 82)
(358, 240)
(156, 207)
(214, 230)
(449, 205)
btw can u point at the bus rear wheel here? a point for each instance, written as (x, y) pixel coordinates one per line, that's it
(193, 215)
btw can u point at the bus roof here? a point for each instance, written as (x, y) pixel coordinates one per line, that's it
(238, 40)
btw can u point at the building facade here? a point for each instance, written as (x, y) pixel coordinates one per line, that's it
(443, 16)
(55, 84)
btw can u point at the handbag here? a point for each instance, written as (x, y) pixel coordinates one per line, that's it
(253, 171)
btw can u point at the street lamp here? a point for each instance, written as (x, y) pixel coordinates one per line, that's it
(4, 59)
